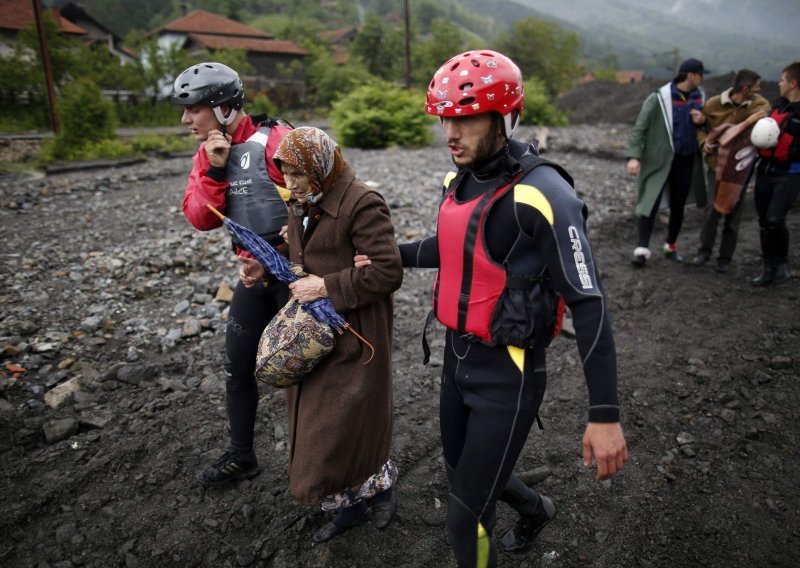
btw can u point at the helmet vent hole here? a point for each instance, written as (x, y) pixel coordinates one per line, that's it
(475, 63)
(196, 70)
(466, 101)
(433, 82)
(455, 65)
(465, 86)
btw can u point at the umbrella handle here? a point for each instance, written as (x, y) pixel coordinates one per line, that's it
(362, 340)
(217, 213)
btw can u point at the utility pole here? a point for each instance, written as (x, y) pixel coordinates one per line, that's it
(406, 46)
(48, 71)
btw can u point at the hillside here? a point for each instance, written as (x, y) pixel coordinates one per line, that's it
(642, 36)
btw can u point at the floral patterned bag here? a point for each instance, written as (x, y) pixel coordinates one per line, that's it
(291, 345)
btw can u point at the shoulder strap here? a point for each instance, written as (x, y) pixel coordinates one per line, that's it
(530, 161)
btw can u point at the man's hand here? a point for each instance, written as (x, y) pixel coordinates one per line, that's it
(308, 289)
(284, 233)
(697, 116)
(250, 271)
(606, 444)
(218, 148)
(634, 165)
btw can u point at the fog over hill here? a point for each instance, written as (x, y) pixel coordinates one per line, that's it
(726, 35)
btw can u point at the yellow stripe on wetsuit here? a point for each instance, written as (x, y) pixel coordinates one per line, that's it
(483, 548)
(532, 196)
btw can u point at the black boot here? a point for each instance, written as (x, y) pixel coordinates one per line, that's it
(521, 537)
(782, 273)
(347, 518)
(535, 511)
(766, 277)
(384, 506)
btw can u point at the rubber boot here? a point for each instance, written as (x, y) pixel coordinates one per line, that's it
(782, 273)
(766, 277)
(535, 510)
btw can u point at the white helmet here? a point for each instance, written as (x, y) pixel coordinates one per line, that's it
(765, 133)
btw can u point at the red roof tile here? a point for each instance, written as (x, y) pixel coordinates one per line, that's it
(16, 14)
(200, 21)
(249, 44)
(332, 36)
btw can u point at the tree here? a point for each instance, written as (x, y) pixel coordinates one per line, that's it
(327, 81)
(542, 49)
(380, 47)
(445, 41)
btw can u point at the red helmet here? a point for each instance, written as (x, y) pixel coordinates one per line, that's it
(476, 82)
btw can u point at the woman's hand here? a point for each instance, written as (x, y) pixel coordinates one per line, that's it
(250, 271)
(284, 233)
(308, 289)
(361, 260)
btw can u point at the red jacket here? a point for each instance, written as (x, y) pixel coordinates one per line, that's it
(202, 189)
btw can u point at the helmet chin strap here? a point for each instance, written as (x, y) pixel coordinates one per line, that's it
(510, 122)
(224, 120)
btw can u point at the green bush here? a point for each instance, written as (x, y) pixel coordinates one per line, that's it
(54, 150)
(381, 115)
(84, 115)
(138, 145)
(148, 113)
(538, 109)
(260, 105)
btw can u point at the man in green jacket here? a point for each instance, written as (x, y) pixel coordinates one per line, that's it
(664, 153)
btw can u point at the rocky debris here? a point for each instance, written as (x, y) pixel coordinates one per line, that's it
(112, 396)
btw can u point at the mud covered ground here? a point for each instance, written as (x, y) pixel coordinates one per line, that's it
(106, 289)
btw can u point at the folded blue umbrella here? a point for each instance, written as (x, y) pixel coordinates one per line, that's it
(278, 265)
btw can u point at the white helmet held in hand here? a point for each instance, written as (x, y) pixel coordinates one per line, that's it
(765, 133)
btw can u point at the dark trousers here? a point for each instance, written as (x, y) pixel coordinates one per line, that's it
(488, 404)
(774, 196)
(680, 182)
(250, 312)
(730, 223)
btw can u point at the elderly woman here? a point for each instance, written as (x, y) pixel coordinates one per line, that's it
(340, 414)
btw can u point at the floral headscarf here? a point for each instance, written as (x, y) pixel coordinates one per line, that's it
(314, 153)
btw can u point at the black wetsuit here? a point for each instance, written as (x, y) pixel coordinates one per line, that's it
(491, 394)
(778, 183)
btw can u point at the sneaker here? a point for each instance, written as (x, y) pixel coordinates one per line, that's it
(698, 260)
(227, 469)
(723, 265)
(671, 253)
(640, 256)
(521, 537)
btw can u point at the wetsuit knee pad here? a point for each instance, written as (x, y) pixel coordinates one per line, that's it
(470, 540)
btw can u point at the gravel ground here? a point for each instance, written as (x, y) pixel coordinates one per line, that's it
(112, 314)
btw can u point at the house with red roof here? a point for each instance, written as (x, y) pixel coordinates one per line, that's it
(96, 33)
(278, 64)
(16, 15)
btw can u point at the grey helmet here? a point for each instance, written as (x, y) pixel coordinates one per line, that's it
(209, 84)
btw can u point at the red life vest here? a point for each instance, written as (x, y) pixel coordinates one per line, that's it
(470, 284)
(785, 140)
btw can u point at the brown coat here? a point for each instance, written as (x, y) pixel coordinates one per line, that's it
(340, 415)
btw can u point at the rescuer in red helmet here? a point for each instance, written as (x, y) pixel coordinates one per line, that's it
(511, 250)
